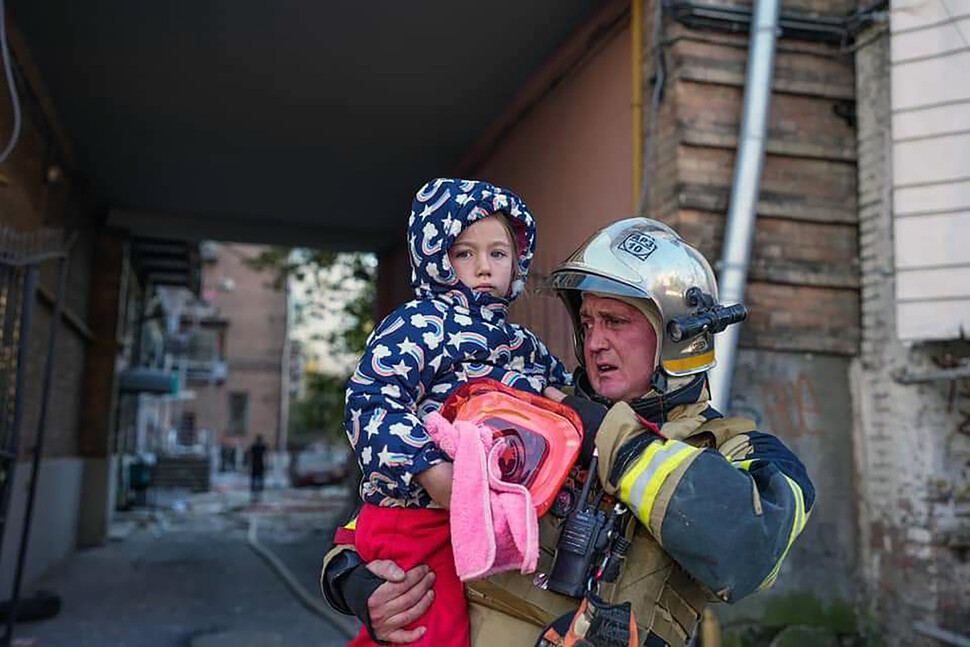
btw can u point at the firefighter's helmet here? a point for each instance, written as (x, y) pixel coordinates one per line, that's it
(643, 259)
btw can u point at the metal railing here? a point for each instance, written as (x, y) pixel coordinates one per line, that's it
(21, 256)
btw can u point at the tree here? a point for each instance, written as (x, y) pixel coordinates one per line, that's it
(333, 284)
(327, 286)
(318, 416)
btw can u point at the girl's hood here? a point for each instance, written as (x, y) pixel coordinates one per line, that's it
(441, 210)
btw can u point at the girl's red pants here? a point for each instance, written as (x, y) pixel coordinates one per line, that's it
(411, 537)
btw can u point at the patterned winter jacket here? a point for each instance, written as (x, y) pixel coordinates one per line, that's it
(428, 347)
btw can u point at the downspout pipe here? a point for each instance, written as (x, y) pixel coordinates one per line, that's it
(739, 235)
(636, 67)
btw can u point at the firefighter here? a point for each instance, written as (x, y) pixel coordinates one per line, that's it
(714, 505)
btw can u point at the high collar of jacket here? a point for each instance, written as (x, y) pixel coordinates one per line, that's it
(681, 397)
(441, 210)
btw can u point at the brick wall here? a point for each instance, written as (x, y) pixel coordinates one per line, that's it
(569, 156)
(30, 199)
(803, 284)
(38, 189)
(803, 281)
(912, 445)
(255, 335)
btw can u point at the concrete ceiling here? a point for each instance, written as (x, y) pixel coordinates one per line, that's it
(307, 122)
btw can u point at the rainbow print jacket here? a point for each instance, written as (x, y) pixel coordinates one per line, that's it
(428, 347)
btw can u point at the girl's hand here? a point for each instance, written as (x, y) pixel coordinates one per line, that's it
(553, 393)
(437, 481)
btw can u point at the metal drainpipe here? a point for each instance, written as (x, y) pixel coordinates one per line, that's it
(636, 65)
(738, 237)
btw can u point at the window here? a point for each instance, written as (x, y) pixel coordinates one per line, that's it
(238, 413)
(186, 431)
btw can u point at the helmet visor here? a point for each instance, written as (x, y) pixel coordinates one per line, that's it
(585, 282)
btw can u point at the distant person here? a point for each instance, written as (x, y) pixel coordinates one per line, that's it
(471, 245)
(227, 459)
(257, 466)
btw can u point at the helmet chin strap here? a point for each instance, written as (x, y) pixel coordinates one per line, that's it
(659, 383)
(664, 393)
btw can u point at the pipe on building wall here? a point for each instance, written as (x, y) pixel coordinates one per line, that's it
(656, 96)
(739, 235)
(836, 30)
(636, 64)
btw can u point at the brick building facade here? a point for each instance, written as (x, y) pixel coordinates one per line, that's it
(819, 361)
(249, 314)
(802, 292)
(910, 421)
(35, 192)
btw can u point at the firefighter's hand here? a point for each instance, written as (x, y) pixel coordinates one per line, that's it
(401, 600)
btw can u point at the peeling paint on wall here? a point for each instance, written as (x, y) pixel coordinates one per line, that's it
(912, 442)
(804, 399)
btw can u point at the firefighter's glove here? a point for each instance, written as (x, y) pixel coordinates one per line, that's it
(592, 414)
(600, 624)
(595, 624)
(348, 584)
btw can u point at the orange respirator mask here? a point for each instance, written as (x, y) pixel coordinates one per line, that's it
(542, 437)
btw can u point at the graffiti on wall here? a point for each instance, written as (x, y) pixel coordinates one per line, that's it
(960, 393)
(958, 442)
(792, 407)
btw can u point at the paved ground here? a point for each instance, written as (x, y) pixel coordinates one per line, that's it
(186, 576)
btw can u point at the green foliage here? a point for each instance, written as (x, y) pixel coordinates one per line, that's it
(360, 310)
(325, 277)
(320, 415)
(336, 286)
(806, 609)
(801, 618)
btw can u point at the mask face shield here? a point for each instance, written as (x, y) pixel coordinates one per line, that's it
(538, 440)
(523, 453)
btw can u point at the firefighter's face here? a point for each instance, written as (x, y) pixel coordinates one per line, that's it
(619, 348)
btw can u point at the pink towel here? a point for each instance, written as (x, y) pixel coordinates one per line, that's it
(494, 526)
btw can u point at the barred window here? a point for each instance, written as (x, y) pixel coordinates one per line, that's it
(238, 413)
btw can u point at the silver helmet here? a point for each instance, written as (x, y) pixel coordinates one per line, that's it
(643, 259)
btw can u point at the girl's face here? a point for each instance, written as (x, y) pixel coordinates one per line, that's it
(483, 256)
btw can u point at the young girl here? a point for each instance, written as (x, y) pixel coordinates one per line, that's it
(471, 244)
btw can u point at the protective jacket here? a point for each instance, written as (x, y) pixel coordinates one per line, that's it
(719, 506)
